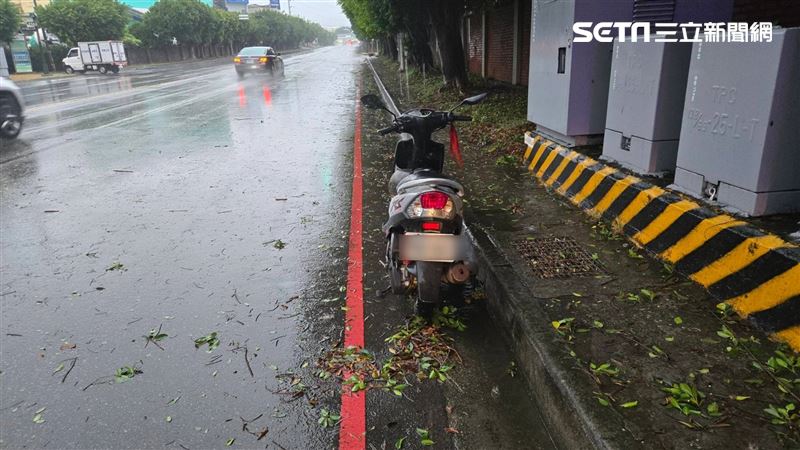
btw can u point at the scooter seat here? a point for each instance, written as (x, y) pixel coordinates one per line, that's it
(429, 178)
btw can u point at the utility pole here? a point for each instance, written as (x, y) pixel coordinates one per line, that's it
(42, 41)
(290, 6)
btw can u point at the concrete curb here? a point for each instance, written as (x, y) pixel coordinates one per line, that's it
(756, 273)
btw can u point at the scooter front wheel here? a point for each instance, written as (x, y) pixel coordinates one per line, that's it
(429, 280)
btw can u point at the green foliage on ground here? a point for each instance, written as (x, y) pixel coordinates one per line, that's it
(506, 105)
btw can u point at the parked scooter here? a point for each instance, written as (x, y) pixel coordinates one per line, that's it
(425, 242)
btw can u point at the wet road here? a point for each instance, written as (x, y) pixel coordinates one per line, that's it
(181, 198)
(162, 198)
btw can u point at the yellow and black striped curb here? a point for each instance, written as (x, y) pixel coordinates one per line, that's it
(758, 274)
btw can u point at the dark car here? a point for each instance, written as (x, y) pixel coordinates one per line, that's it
(258, 59)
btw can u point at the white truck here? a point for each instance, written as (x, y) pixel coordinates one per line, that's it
(102, 56)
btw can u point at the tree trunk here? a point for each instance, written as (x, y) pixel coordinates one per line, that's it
(446, 16)
(389, 47)
(416, 26)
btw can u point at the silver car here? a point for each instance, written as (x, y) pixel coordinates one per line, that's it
(12, 109)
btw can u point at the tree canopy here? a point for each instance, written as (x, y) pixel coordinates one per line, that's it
(74, 21)
(188, 21)
(422, 22)
(371, 19)
(193, 23)
(9, 20)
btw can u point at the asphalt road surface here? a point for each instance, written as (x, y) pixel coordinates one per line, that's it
(179, 198)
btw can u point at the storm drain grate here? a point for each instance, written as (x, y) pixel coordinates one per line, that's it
(557, 257)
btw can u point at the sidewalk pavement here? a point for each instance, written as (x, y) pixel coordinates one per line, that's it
(754, 272)
(619, 349)
(33, 76)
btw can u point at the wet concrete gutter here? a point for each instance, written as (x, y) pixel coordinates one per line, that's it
(563, 406)
(757, 273)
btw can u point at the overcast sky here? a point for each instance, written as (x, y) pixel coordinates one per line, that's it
(325, 12)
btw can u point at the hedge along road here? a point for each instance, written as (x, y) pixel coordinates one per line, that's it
(143, 212)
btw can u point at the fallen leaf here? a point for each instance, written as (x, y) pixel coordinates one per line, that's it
(67, 346)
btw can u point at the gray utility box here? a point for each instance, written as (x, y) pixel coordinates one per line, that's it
(740, 136)
(645, 101)
(568, 82)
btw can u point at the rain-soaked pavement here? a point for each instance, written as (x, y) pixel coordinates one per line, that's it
(181, 198)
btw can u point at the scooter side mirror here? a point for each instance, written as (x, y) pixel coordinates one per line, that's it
(372, 101)
(474, 100)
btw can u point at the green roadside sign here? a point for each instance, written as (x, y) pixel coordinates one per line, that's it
(21, 56)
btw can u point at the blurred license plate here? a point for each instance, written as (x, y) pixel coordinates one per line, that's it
(430, 247)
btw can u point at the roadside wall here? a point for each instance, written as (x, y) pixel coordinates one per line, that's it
(496, 36)
(140, 55)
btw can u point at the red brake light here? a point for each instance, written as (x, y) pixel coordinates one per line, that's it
(431, 226)
(433, 200)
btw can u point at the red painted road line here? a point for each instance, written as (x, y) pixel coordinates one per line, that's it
(353, 427)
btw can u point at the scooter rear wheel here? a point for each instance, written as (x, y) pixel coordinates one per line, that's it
(429, 280)
(393, 266)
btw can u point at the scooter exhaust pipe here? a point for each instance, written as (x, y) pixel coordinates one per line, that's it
(457, 273)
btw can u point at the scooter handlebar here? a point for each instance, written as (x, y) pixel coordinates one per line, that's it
(387, 130)
(460, 118)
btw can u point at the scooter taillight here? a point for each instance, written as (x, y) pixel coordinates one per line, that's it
(433, 200)
(433, 204)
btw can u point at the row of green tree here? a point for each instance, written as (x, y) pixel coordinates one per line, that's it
(186, 22)
(426, 25)
(10, 19)
(193, 23)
